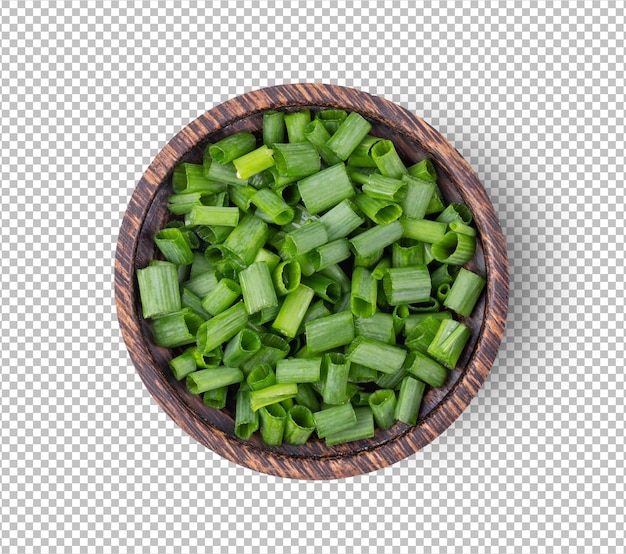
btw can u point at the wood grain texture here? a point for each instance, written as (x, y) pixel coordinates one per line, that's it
(415, 139)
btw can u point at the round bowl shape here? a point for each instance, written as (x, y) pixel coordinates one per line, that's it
(414, 140)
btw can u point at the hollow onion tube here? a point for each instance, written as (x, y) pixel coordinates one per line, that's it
(422, 335)
(338, 275)
(409, 400)
(221, 328)
(329, 332)
(387, 160)
(341, 220)
(444, 274)
(330, 254)
(158, 289)
(254, 162)
(455, 212)
(413, 320)
(334, 420)
(293, 310)
(242, 197)
(180, 204)
(406, 285)
(213, 234)
(417, 198)
(361, 157)
(323, 287)
(246, 239)
(381, 267)
(189, 300)
(209, 379)
(176, 329)
(447, 345)
(233, 146)
(273, 128)
(187, 362)
(325, 189)
(307, 397)
(331, 118)
(304, 239)
(296, 160)
(336, 372)
(462, 228)
(215, 398)
(296, 123)
(246, 420)
(273, 348)
(272, 395)
(377, 355)
(273, 205)
(314, 311)
(381, 187)
(220, 173)
(257, 287)
(363, 293)
(454, 248)
(202, 284)
(299, 425)
(363, 428)
(383, 405)
(379, 211)
(317, 134)
(298, 370)
(174, 246)
(424, 170)
(349, 135)
(406, 253)
(213, 215)
(423, 229)
(190, 178)
(465, 292)
(221, 297)
(360, 398)
(272, 419)
(286, 277)
(399, 316)
(391, 380)
(442, 292)
(379, 327)
(241, 348)
(375, 239)
(261, 377)
(426, 369)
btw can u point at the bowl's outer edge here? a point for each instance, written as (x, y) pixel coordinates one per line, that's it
(469, 186)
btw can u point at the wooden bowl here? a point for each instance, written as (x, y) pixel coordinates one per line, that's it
(414, 139)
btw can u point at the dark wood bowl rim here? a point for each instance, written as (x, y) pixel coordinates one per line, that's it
(374, 455)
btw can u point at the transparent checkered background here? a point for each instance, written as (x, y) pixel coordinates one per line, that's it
(533, 97)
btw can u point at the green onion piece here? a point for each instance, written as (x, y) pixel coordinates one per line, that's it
(174, 246)
(214, 234)
(202, 284)
(381, 267)
(306, 264)
(349, 135)
(190, 178)
(336, 370)
(299, 425)
(361, 397)
(273, 348)
(442, 291)
(432, 305)
(220, 173)
(423, 229)
(383, 405)
(300, 218)
(391, 380)
(378, 327)
(363, 294)
(399, 315)
(221, 328)
(315, 311)
(409, 400)
(331, 118)
(298, 370)
(215, 398)
(420, 337)
(362, 429)
(245, 344)
(176, 329)
(261, 377)
(455, 212)
(385, 188)
(180, 204)
(454, 248)
(189, 300)
(273, 419)
(351, 390)
(405, 285)
(242, 197)
(415, 319)
(232, 147)
(212, 359)
(272, 395)
(323, 287)
(405, 253)
(293, 311)
(296, 160)
(417, 198)
(465, 292)
(274, 206)
(424, 170)
(361, 374)
(213, 215)
(329, 332)
(221, 297)
(209, 379)
(334, 420)
(387, 160)
(462, 228)
(325, 189)
(200, 264)
(375, 239)
(247, 239)
(444, 274)
(379, 211)
(426, 369)
(273, 128)
(436, 204)
(449, 342)
(307, 397)
(290, 194)
(278, 181)
(330, 254)
(286, 277)
(257, 287)
(361, 157)
(246, 420)
(317, 134)
(369, 261)
(185, 363)
(262, 180)
(271, 259)
(304, 239)
(341, 220)
(296, 122)
(377, 355)
(158, 289)
(254, 162)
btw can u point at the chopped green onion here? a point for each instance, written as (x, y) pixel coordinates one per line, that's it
(298, 370)
(296, 160)
(213, 234)
(317, 134)
(423, 229)
(158, 289)
(187, 362)
(246, 420)
(220, 173)
(286, 277)
(323, 287)
(341, 220)
(442, 292)
(314, 311)
(414, 320)
(213, 215)
(202, 284)
(449, 342)
(363, 428)
(424, 170)
(383, 405)
(409, 400)
(349, 135)
(247, 239)
(273, 419)
(271, 259)
(331, 118)
(272, 395)
(242, 197)
(417, 198)
(454, 248)
(257, 287)
(422, 335)
(190, 178)
(399, 315)
(221, 297)
(221, 328)
(273, 128)
(456, 212)
(330, 254)
(361, 157)
(336, 371)
(444, 274)
(273, 348)
(338, 275)
(378, 327)
(375, 239)
(387, 160)
(361, 397)
(325, 189)
(462, 228)
(381, 268)
(329, 332)
(180, 204)
(245, 344)
(379, 211)
(305, 238)
(405, 285)
(307, 397)
(361, 374)
(391, 380)
(432, 305)
(261, 377)
(232, 147)
(215, 398)
(426, 369)
(293, 311)
(296, 122)
(334, 420)
(384, 188)
(299, 425)
(465, 292)
(209, 379)
(189, 300)
(377, 355)
(270, 203)
(363, 294)
(254, 162)
(406, 253)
